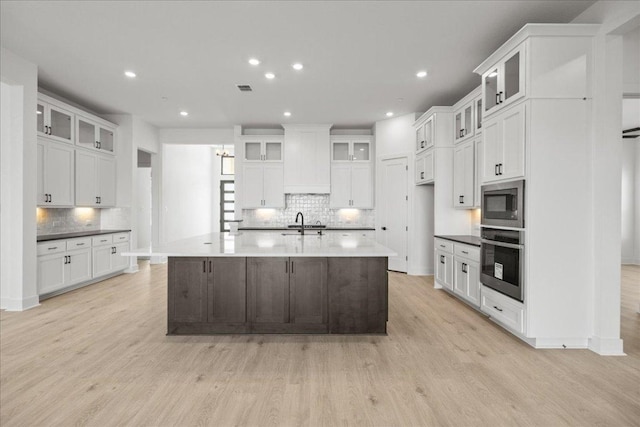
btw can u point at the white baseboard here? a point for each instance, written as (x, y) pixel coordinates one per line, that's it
(606, 346)
(17, 304)
(420, 271)
(561, 343)
(132, 269)
(632, 261)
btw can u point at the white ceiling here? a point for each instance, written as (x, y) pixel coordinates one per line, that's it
(360, 57)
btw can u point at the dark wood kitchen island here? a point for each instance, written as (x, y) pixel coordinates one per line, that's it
(274, 283)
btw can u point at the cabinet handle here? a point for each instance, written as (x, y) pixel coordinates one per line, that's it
(421, 144)
(465, 252)
(384, 228)
(79, 244)
(50, 198)
(421, 175)
(495, 170)
(497, 308)
(500, 168)
(464, 267)
(204, 266)
(441, 259)
(210, 266)
(286, 267)
(99, 145)
(442, 246)
(50, 131)
(96, 144)
(69, 259)
(99, 199)
(50, 249)
(500, 97)
(497, 98)
(291, 267)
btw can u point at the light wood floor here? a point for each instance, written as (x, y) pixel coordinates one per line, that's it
(99, 356)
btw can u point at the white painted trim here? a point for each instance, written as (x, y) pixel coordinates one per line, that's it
(420, 270)
(132, 269)
(631, 261)
(18, 304)
(606, 346)
(561, 343)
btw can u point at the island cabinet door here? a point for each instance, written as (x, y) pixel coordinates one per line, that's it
(187, 295)
(308, 290)
(227, 290)
(358, 295)
(268, 285)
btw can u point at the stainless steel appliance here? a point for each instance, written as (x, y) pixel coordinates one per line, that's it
(502, 261)
(503, 204)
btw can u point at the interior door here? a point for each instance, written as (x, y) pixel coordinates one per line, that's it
(393, 202)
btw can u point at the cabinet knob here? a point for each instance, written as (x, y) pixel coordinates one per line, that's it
(384, 228)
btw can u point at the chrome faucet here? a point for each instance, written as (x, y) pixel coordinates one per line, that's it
(299, 214)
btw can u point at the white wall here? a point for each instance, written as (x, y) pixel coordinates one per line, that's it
(18, 192)
(187, 191)
(606, 177)
(396, 136)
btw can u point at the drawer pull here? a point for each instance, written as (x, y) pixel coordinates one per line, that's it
(442, 246)
(55, 247)
(465, 252)
(79, 244)
(497, 308)
(102, 241)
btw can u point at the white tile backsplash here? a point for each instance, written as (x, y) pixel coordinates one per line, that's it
(56, 221)
(314, 207)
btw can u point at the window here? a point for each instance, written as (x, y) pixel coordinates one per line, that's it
(228, 165)
(227, 204)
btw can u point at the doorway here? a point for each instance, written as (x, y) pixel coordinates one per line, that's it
(392, 231)
(144, 201)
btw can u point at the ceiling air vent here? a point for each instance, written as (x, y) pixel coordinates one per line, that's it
(244, 88)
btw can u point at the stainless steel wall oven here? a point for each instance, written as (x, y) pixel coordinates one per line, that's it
(502, 261)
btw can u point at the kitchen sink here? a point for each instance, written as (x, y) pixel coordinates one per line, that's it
(309, 226)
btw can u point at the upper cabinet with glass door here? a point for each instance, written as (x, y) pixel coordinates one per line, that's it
(465, 116)
(504, 82)
(54, 121)
(263, 148)
(424, 135)
(350, 148)
(93, 135)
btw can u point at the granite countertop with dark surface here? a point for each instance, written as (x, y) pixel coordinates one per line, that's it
(328, 228)
(466, 239)
(60, 236)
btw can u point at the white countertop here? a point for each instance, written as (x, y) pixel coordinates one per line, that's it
(270, 244)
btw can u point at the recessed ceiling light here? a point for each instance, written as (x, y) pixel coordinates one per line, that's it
(297, 66)
(389, 113)
(254, 61)
(184, 113)
(287, 113)
(270, 76)
(130, 74)
(421, 74)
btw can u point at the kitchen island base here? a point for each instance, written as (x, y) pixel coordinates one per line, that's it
(277, 295)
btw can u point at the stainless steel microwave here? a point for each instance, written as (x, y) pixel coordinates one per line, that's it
(503, 204)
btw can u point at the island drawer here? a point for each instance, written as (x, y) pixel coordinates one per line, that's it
(82, 243)
(505, 310)
(444, 245)
(51, 247)
(467, 251)
(106, 239)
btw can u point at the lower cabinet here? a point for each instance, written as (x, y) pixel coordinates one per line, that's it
(276, 295)
(64, 263)
(458, 269)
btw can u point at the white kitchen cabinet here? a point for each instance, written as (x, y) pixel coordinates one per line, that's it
(466, 283)
(479, 113)
(444, 269)
(351, 186)
(54, 121)
(504, 82)
(95, 179)
(307, 163)
(93, 135)
(425, 167)
(351, 148)
(119, 262)
(107, 255)
(425, 135)
(463, 122)
(61, 268)
(504, 145)
(263, 148)
(506, 311)
(262, 186)
(464, 175)
(479, 162)
(55, 162)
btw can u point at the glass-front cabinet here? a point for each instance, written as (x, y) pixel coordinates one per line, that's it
(54, 122)
(92, 135)
(351, 149)
(463, 122)
(424, 136)
(263, 149)
(479, 111)
(504, 83)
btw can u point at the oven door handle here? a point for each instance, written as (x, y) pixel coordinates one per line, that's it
(502, 244)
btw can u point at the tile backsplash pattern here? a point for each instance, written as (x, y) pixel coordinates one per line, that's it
(315, 207)
(55, 221)
(115, 219)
